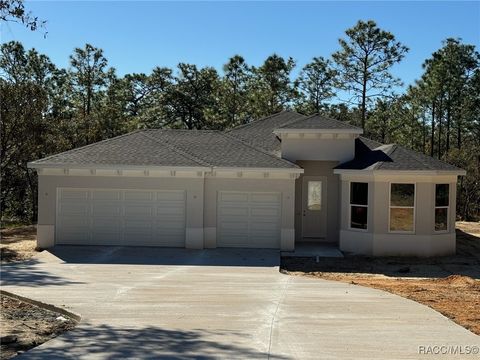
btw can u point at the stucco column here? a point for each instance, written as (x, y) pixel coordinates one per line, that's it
(194, 221)
(46, 213)
(287, 233)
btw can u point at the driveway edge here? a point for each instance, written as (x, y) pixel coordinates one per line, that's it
(42, 305)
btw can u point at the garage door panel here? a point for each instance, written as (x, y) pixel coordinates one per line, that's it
(73, 194)
(74, 209)
(264, 227)
(106, 195)
(171, 196)
(171, 224)
(139, 211)
(130, 223)
(139, 232)
(234, 211)
(140, 196)
(171, 210)
(264, 198)
(249, 219)
(75, 222)
(121, 217)
(105, 209)
(232, 197)
(176, 233)
(264, 211)
(72, 237)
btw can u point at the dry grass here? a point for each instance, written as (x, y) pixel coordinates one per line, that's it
(450, 284)
(18, 243)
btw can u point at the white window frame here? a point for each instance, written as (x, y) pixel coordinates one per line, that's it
(435, 207)
(350, 205)
(402, 207)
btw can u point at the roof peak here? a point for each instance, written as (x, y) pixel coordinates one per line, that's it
(319, 121)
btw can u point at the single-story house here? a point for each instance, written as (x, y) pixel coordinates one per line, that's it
(272, 183)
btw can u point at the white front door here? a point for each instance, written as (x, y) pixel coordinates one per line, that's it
(249, 219)
(314, 207)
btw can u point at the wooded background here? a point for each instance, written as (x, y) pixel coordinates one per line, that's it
(46, 109)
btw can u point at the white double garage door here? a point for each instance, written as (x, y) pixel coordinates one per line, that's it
(158, 218)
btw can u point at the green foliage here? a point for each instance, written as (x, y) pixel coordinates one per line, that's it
(440, 116)
(364, 62)
(14, 11)
(46, 110)
(234, 91)
(272, 89)
(316, 85)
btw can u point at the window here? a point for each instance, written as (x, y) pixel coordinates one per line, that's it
(358, 205)
(441, 207)
(314, 195)
(402, 207)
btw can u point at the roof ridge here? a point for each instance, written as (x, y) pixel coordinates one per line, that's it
(88, 145)
(182, 130)
(322, 116)
(177, 150)
(368, 139)
(258, 149)
(389, 148)
(262, 119)
(305, 117)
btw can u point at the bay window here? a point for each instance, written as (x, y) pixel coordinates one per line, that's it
(402, 207)
(358, 205)
(441, 207)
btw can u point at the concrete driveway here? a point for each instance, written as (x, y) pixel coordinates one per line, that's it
(234, 304)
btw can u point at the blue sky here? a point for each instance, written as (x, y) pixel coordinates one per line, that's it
(137, 36)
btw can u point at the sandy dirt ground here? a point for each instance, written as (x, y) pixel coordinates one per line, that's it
(24, 326)
(450, 284)
(17, 244)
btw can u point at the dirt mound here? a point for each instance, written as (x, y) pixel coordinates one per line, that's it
(458, 280)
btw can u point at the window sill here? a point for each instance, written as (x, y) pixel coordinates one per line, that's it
(358, 230)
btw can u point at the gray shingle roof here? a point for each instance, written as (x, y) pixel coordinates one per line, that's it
(391, 157)
(179, 148)
(249, 146)
(219, 149)
(259, 133)
(130, 149)
(320, 122)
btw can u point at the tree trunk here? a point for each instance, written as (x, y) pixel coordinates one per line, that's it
(424, 130)
(459, 134)
(439, 117)
(411, 128)
(448, 126)
(364, 94)
(33, 195)
(432, 145)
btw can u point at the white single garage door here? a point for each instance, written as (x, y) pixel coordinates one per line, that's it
(249, 219)
(120, 217)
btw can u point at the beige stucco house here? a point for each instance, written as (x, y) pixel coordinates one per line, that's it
(272, 183)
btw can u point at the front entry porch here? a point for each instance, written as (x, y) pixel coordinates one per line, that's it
(314, 249)
(316, 206)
